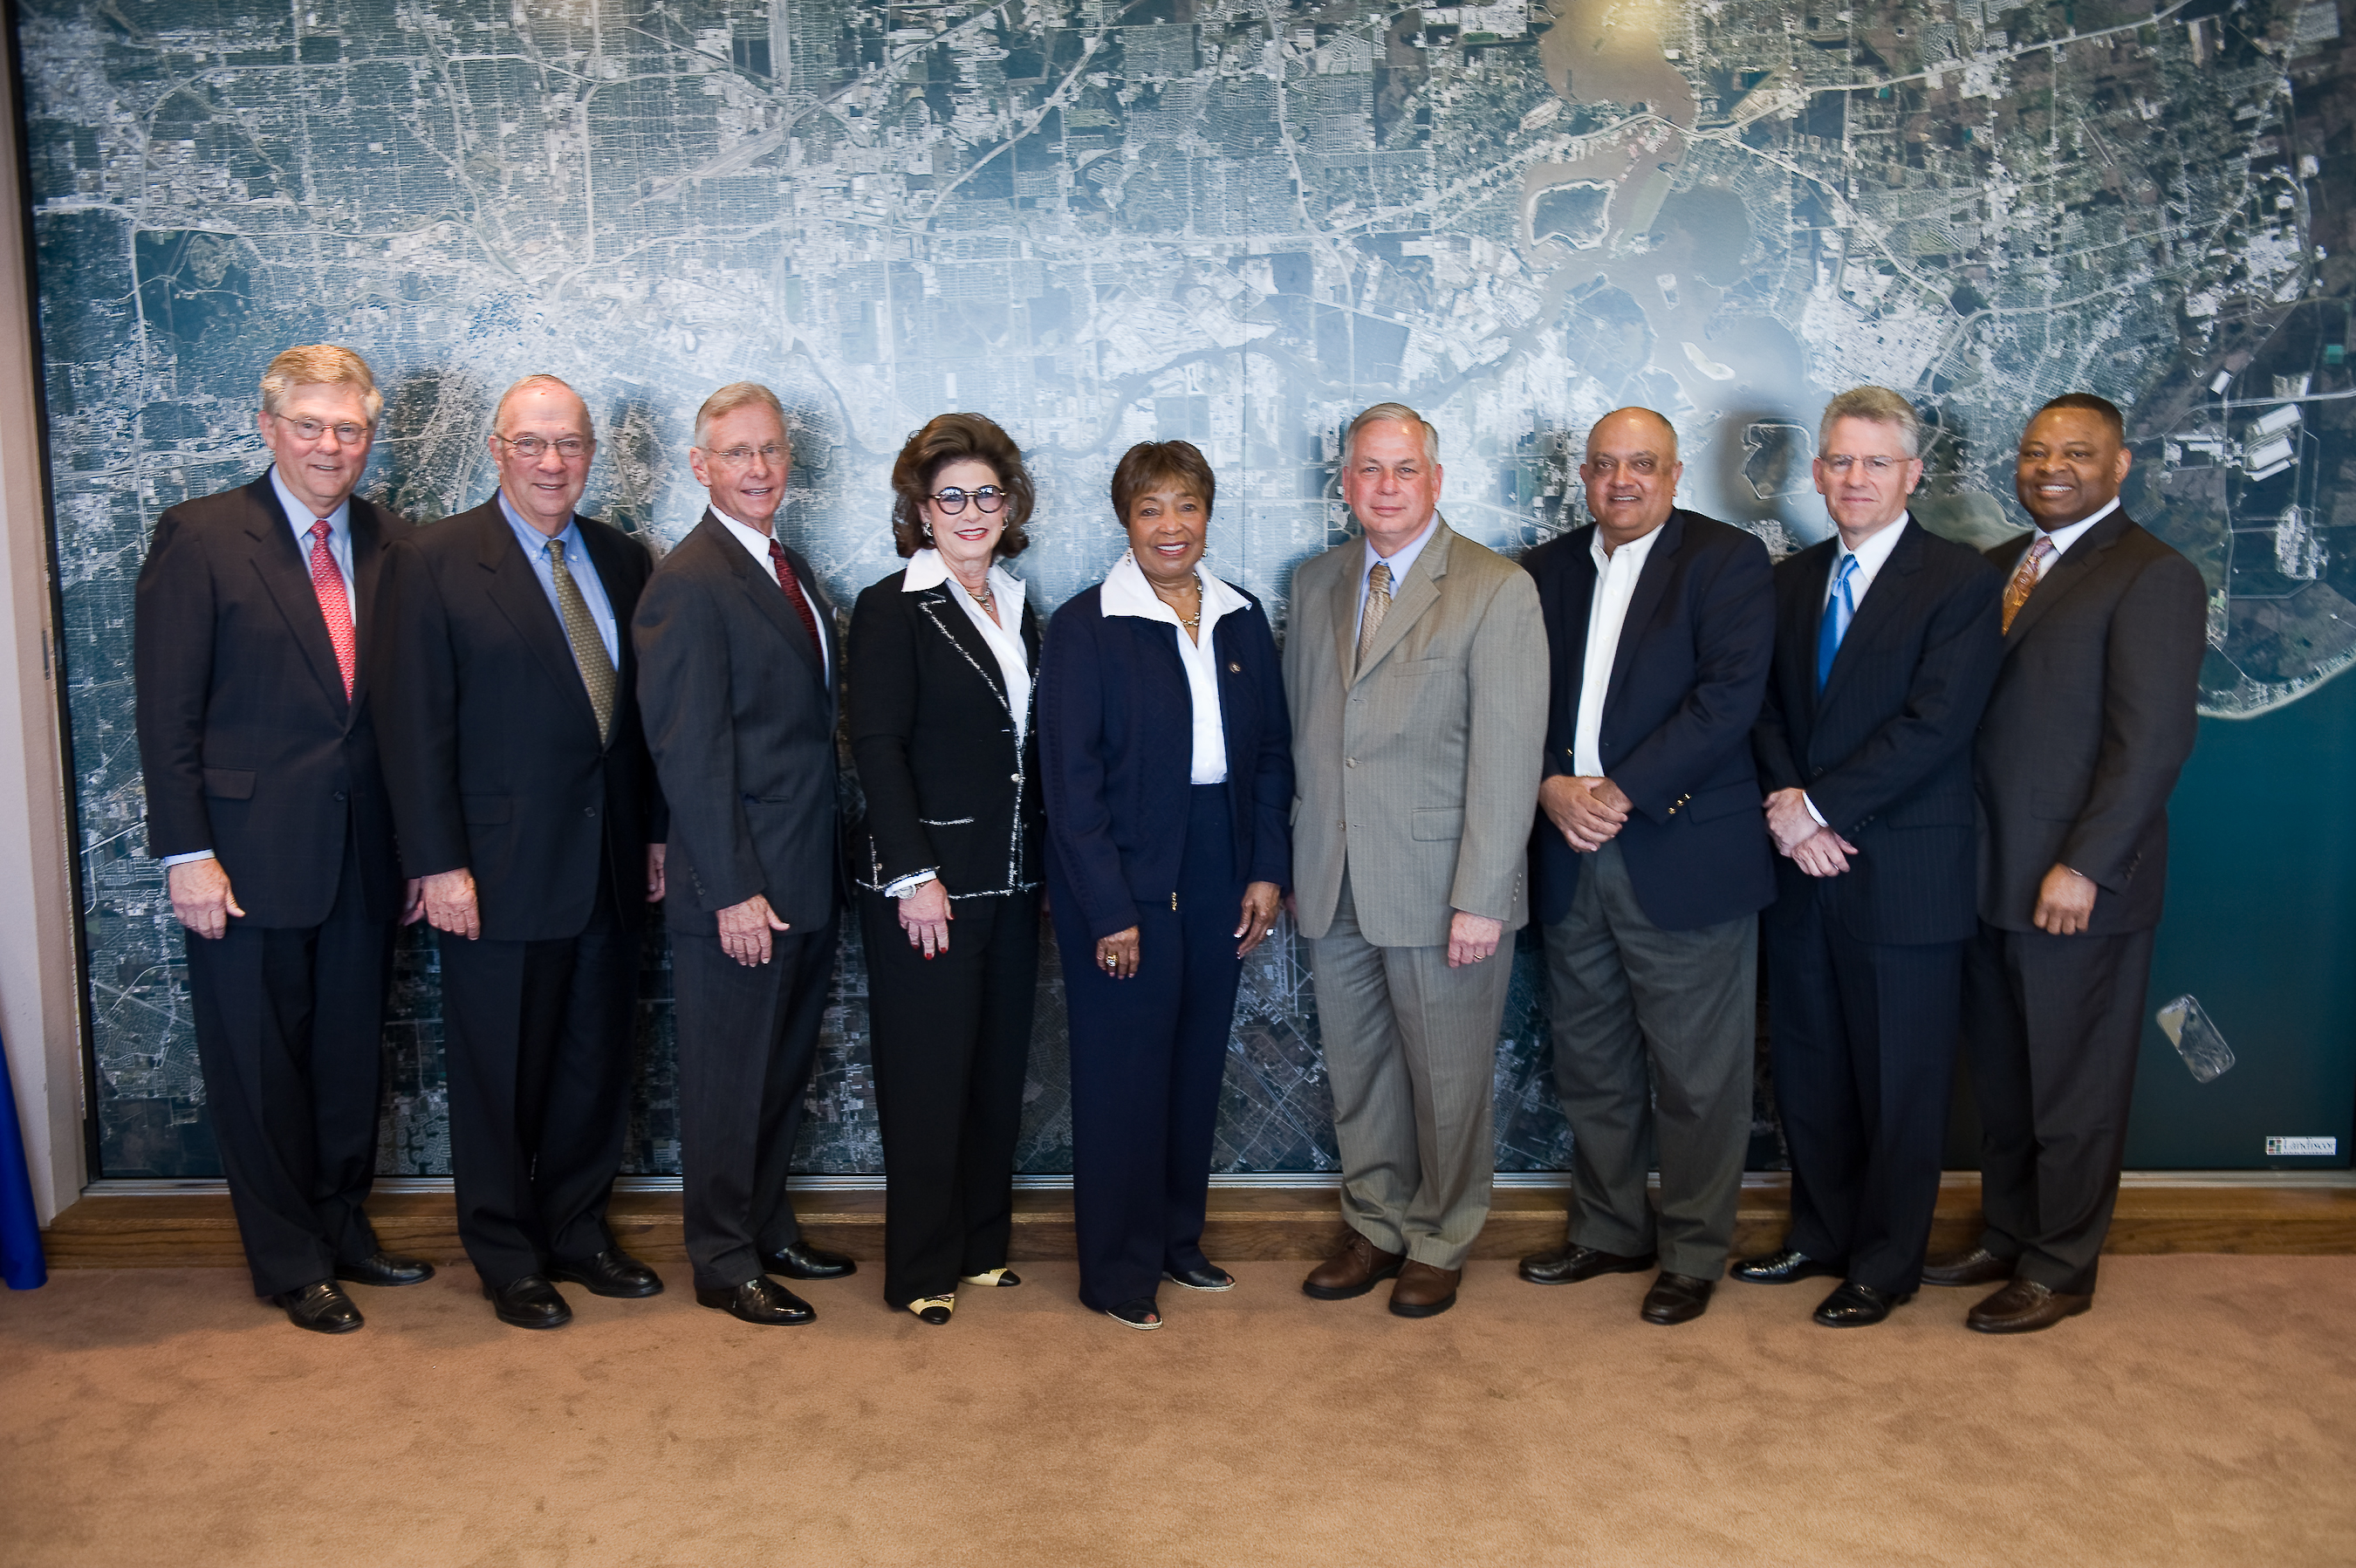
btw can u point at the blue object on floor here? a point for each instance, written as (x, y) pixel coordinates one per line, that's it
(21, 1263)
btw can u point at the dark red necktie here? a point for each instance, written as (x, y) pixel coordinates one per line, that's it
(334, 604)
(793, 588)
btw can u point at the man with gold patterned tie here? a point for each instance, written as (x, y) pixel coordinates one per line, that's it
(525, 799)
(265, 802)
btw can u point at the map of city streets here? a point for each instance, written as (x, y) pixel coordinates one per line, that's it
(1233, 222)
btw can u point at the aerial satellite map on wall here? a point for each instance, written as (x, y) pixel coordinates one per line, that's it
(1235, 222)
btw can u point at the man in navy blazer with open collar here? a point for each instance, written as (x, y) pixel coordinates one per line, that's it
(1651, 866)
(539, 832)
(266, 803)
(740, 700)
(1864, 746)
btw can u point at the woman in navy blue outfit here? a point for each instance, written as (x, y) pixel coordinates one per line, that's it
(1166, 755)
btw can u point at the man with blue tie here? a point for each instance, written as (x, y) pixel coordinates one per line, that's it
(265, 802)
(526, 800)
(1886, 646)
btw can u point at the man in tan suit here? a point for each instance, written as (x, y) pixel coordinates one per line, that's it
(1416, 672)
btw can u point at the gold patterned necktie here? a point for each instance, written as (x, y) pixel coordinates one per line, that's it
(588, 644)
(1378, 604)
(2024, 580)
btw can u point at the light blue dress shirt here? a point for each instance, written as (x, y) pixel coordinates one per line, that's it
(535, 544)
(300, 517)
(1401, 564)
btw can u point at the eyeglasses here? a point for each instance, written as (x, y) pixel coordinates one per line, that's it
(987, 500)
(532, 448)
(1841, 463)
(312, 429)
(738, 456)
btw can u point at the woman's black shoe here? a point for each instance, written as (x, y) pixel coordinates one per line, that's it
(1138, 1314)
(1202, 1276)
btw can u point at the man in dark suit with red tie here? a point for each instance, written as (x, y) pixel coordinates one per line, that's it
(255, 619)
(737, 677)
(1886, 644)
(2094, 713)
(525, 799)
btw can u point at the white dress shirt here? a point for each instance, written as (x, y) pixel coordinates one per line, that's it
(2063, 539)
(1400, 565)
(1871, 557)
(927, 570)
(1607, 612)
(756, 546)
(1127, 593)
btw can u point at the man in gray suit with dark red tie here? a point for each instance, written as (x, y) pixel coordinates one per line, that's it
(266, 804)
(2093, 713)
(737, 677)
(1886, 644)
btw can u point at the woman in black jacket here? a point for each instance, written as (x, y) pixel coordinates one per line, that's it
(1168, 761)
(941, 661)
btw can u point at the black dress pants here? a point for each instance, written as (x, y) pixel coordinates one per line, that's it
(538, 1037)
(1863, 1041)
(748, 1041)
(290, 1037)
(2054, 1025)
(951, 1036)
(1148, 1055)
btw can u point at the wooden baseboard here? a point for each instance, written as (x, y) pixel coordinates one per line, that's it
(2155, 1214)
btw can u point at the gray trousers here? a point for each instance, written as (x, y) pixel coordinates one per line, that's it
(1654, 1035)
(1411, 1051)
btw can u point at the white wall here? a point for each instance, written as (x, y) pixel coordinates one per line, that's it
(40, 995)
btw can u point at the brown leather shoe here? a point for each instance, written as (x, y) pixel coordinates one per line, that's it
(1976, 1267)
(2024, 1306)
(1353, 1271)
(1423, 1291)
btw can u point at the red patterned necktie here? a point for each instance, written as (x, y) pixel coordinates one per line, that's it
(793, 588)
(334, 604)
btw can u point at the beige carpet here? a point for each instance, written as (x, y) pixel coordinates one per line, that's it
(2203, 1414)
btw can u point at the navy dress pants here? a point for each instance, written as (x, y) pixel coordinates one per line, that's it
(1148, 1054)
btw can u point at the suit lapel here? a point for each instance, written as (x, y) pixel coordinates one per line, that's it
(1893, 588)
(278, 560)
(1651, 584)
(515, 589)
(1345, 611)
(949, 618)
(761, 586)
(1410, 599)
(607, 557)
(2076, 564)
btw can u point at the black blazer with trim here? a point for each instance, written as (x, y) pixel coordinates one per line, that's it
(2094, 710)
(740, 716)
(1118, 749)
(491, 747)
(948, 788)
(1885, 749)
(1687, 684)
(247, 743)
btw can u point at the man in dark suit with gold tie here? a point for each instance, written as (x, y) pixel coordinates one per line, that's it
(2092, 715)
(738, 674)
(525, 800)
(265, 802)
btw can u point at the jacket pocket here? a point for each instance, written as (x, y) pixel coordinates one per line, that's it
(230, 783)
(487, 808)
(1723, 801)
(1437, 824)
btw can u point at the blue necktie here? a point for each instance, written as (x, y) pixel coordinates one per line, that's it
(1838, 610)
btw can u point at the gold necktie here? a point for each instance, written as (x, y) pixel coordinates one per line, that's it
(588, 645)
(1378, 604)
(2024, 580)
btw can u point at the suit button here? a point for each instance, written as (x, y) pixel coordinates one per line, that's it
(341, 795)
(1349, 762)
(588, 810)
(1017, 777)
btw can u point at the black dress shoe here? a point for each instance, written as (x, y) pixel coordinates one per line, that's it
(322, 1308)
(1569, 1265)
(801, 1261)
(611, 1272)
(759, 1300)
(1784, 1266)
(381, 1268)
(1853, 1305)
(528, 1302)
(1977, 1267)
(1677, 1298)
(1205, 1276)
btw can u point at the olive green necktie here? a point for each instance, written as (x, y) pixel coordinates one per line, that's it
(1378, 604)
(588, 645)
